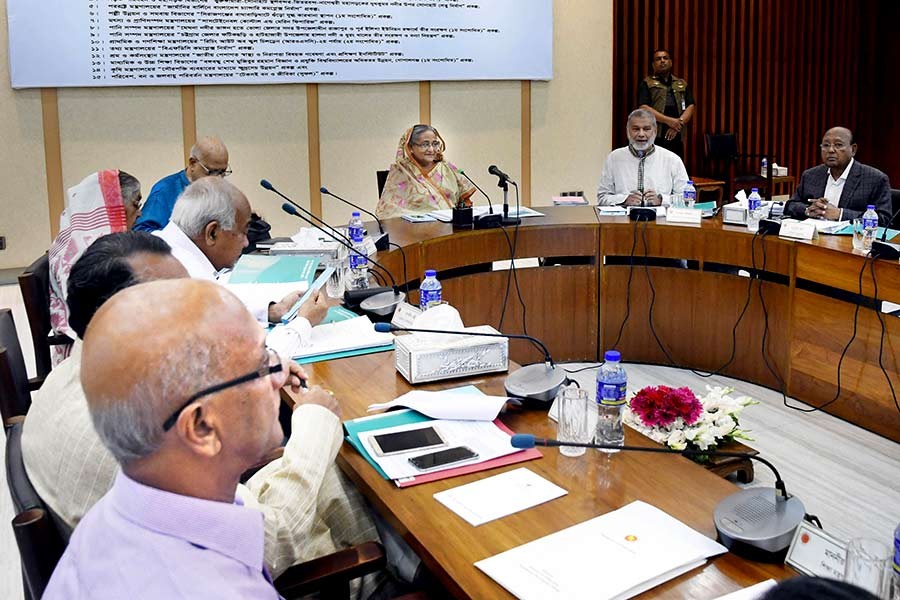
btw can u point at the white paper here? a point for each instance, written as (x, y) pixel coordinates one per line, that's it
(617, 555)
(485, 438)
(260, 294)
(826, 226)
(612, 211)
(750, 593)
(448, 405)
(350, 334)
(446, 215)
(495, 497)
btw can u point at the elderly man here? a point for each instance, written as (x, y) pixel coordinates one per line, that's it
(207, 232)
(209, 157)
(309, 508)
(669, 99)
(842, 187)
(641, 174)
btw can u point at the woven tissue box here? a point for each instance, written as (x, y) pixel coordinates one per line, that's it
(420, 359)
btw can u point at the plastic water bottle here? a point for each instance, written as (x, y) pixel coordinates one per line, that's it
(689, 194)
(895, 581)
(611, 386)
(359, 262)
(764, 168)
(870, 227)
(754, 204)
(430, 290)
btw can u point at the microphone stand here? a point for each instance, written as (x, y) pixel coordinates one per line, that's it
(382, 242)
(490, 220)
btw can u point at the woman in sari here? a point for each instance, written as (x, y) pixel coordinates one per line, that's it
(104, 202)
(421, 180)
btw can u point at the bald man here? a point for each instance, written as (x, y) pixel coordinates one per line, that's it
(184, 417)
(207, 233)
(208, 158)
(841, 187)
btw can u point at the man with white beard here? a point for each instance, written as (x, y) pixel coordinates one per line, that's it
(641, 174)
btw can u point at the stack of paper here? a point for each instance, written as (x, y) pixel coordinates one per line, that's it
(260, 268)
(343, 336)
(614, 556)
(446, 215)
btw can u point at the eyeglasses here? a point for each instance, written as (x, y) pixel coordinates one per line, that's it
(425, 145)
(838, 146)
(213, 172)
(273, 365)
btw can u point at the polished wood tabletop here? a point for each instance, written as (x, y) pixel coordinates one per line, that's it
(800, 302)
(596, 483)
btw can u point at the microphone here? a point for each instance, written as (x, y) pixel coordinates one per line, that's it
(749, 522)
(493, 170)
(490, 220)
(538, 381)
(382, 242)
(884, 249)
(268, 186)
(503, 182)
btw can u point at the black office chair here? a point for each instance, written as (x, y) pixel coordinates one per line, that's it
(35, 286)
(895, 206)
(15, 387)
(723, 148)
(381, 176)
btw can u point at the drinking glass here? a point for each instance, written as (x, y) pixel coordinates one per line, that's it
(869, 565)
(574, 419)
(857, 225)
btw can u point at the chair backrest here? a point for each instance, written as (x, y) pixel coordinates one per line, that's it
(14, 395)
(381, 176)
(895, 206)
(35, 286)
(40, 542)
(721, 146)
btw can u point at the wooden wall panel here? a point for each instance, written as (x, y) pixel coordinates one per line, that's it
(777, 73)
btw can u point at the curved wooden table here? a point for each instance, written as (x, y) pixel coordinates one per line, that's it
(576, 300)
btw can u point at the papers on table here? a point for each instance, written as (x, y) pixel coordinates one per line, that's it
(261, 268)
(340, 336)
(498, 496)
(824, 226)
(612, 211)
(754, 592)
(446, 215)
(484, 437)
(617, 555)
(448, 405)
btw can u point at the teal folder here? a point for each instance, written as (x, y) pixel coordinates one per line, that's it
(259, 268)
(848, 230)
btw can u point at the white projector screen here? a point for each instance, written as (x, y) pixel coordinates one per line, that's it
(65, 43)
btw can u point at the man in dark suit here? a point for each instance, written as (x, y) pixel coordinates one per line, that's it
(840, 189)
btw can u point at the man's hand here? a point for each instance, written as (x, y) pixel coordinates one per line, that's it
(821, 209)
(651, 198)
(296, 375)
(317, 395)
(634, 199)
(315, 308)
(278, 309)
(674, 123)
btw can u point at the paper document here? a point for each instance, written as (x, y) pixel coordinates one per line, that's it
(498, 496)
(825, 226)
(448, 405)
(617, 555)
(261, 268)
(485, 438)
(350, 334)
(446, 215)
(754, 592)
(612, 211)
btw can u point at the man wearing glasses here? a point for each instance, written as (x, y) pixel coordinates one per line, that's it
(842, 187)
(209, 158)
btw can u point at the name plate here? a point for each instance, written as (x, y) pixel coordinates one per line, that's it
(405, 314)
(797, 230)
(814, 552)
(684, 215)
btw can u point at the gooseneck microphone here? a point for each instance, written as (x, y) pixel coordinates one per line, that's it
(757, 523)
(268, 186)
(503, 183)
(538, 382)
(382, 242)
(490, 220)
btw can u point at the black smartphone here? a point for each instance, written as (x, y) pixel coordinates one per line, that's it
(404, 441)
(442, 458)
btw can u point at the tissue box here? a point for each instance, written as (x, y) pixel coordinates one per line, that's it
(734, 213)
(421, 360)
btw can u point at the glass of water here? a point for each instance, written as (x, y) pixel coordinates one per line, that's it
(869, 565)
(337, 283)
(574, 411)
(858, 230)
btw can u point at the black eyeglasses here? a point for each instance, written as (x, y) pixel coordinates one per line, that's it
(265, 371)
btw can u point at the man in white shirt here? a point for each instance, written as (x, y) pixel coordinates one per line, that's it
(208, 231)
(641, 174)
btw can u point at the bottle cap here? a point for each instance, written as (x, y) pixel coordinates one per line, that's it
(612, 356)
(754, 190)
(354, 214)
(430, 273)
(871, 207)
(690, 182)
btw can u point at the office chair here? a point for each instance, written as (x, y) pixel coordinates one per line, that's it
(723, 147)
(35, 286)
(381, 177)
(15, 387)
(895, 206)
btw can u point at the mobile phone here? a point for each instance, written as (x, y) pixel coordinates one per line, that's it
(405, 441)
(442, 458)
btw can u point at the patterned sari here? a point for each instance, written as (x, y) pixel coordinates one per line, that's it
(94, 208)
(411, 190)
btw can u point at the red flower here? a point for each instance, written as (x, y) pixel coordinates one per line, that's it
(661, 406)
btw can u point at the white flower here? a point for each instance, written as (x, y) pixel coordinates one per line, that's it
(677, 440)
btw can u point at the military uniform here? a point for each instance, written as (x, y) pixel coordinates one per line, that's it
(671, 97)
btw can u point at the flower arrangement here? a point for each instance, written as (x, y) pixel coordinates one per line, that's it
(679, 419)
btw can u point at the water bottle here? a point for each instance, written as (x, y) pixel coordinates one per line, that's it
(764, 168)
(430, 290)
(870, 227)
(611, 385)
(754, 204)
(359, 262)
(895, 581)
(689, 194)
